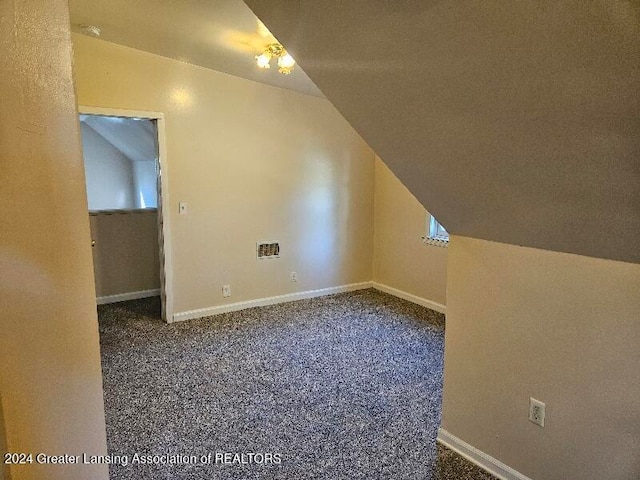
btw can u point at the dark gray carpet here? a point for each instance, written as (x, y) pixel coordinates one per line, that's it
(340, 387)
(451, 466)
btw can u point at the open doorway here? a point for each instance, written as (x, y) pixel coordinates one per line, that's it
(125, 175)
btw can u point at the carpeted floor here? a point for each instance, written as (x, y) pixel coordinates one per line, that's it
(340, 387)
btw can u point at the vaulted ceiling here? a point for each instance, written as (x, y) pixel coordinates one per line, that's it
(223, 35)
(134, 138)
(517, 122)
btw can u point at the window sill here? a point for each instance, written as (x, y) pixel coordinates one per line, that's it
(436, 242)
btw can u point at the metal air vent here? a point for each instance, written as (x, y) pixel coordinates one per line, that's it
(268, 250)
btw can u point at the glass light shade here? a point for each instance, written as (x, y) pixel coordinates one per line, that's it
(286, 61)
(263, 60)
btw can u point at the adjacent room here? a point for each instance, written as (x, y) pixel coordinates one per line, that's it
(267, 239)
(121, 171)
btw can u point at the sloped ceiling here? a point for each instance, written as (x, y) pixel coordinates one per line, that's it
(134, 138)
(517, 122)
(222, 35)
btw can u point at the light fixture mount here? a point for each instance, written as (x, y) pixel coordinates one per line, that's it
(276, 50)
(91, 30)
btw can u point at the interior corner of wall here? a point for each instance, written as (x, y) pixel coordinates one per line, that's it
(4, 468)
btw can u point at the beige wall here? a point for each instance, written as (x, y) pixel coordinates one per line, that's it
(401, 259)
(561, 328)
(125, 257)
(50, 378)
(253, 162)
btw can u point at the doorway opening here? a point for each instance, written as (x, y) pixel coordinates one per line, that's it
(125, 173)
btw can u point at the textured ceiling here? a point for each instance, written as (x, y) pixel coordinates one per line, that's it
(517, 122)
(222, 35)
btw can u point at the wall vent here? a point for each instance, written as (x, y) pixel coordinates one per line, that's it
(268, 250)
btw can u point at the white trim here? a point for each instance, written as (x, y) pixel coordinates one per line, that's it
(118, 112)
(261, 302)
(486, 462)
(121, 297)
(438, 307)
(164, 232)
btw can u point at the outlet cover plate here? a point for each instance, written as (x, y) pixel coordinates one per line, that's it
(536, 411)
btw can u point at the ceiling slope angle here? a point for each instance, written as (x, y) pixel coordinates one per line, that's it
(222, 35)
(516, 122)
(134, 138)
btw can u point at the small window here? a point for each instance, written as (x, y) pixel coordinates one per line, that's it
(436, 233)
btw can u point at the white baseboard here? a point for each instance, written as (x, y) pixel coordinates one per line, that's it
(121, 297)
(479, 458)
(261, 302)
(438, 307)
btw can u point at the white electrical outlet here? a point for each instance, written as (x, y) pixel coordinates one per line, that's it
(226, 291)
(536, 411)
(294, 277)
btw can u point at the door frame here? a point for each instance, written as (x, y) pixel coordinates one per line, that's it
(164, 232)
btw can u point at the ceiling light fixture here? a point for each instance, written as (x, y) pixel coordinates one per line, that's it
(91, 30)
(275, 50)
